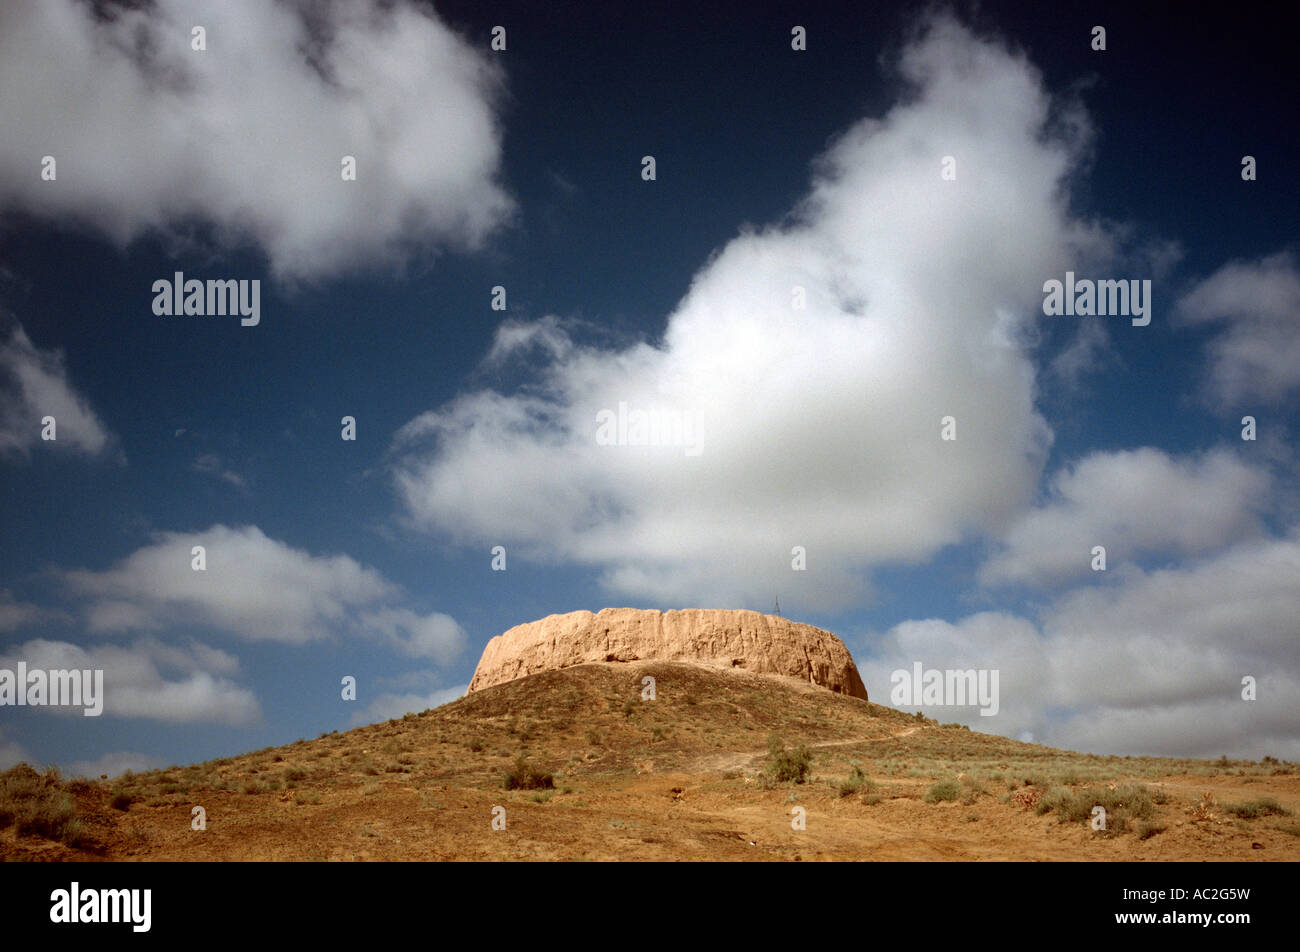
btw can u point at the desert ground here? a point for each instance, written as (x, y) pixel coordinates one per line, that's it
(713, 768)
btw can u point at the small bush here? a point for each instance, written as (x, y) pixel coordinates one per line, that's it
(1147, 829)
(121, 801)
(785, 765)
(1074, 806)
(943, 790)
(524, 777)
(36, 803)
(856, 781)
(1254, 809)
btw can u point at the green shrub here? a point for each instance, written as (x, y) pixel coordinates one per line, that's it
(1074, 806)
(856, 781)
(785, 764)
(1147, 829)
(36, 803)
(524, 777)
(1254, 809)
(943, 790)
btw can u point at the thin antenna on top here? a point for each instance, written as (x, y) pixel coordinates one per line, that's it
(778, 606)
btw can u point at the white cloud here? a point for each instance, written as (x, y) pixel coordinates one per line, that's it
(1151, 665)
(136, 682)
(1086, 353)
(253, 587)
(387, 706)
(259, 589)
(1133, 502)
(113, 764)
(820, 427)
(1257, 355)
(34, 384)
(435, 635)
(12, 752)
(248, 135)
(15, 614)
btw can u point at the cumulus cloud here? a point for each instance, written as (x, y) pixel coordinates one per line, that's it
(136, 682)
(1256, 354)
(816, 426)
(387, 706)
(15, 614)
(246, 138)
(436, 635)
(253, 586)
(1152, 665)
(12, 752)
(1133, 502)
(259, 589)
(113, 765)
(34, 384)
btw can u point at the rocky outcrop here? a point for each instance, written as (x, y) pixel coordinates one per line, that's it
(764, 644)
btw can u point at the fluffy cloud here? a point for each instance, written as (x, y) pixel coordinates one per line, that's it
(436, 636)
(817, 427)
(246, 137)
(12, 752)
(34, 384)
(136, 682)
(1133, 502)
(1257, 354)
(113, 764)
(260, 589)
(387, 706)
(1152, 665)
(253, 586)
(15, 614)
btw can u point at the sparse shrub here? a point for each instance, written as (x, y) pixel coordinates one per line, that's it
(1147, 829)
(1254, 809)
(476, 745)
(121, 801)
(787, 764)
(943, 790)
(856, 781)
(629, 707)
(36, 803)
(525, 777)
(1074, 806)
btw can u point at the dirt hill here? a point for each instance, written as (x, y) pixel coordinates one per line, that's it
(692, 774)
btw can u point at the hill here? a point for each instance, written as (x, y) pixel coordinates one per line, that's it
(692, 774)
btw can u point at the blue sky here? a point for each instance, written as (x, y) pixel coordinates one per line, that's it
(819, 169)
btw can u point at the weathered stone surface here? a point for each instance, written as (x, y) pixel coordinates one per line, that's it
(765, 644)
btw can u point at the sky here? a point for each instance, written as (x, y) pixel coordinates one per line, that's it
(492, 243)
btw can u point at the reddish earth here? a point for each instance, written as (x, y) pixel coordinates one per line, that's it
(682, 776)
